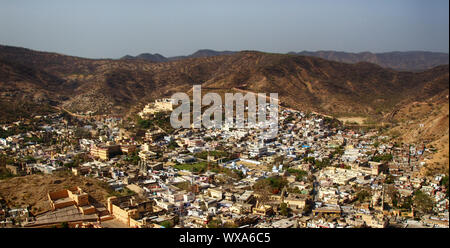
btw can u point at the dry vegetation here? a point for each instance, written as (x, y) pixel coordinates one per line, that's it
(306, 83)
(408, 99)
(32, 190)
(428, 122)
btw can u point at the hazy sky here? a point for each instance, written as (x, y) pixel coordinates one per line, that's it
(114, 28)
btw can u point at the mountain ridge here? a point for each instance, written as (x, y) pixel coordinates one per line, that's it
(160, 58)
(32, 83)
(402, 61)
(302, 81)
(397, 60)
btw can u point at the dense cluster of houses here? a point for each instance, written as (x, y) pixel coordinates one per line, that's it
(332, 177)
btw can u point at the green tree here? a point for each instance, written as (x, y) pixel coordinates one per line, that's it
(299, 174)
(172, 145)
(363, 195)
(389, 179)
(423, 202)
(393, 194)
(145, 124)
(215, 223)
(167, 224)
(382, 157)
(444, 182)
(29, 159)
(284, 209)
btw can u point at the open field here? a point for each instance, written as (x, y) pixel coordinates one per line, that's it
(358, 120)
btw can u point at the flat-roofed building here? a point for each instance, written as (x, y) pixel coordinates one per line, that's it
(328, 210)
(70, 206)
(296, 201)
(129, 209)
(105, 152)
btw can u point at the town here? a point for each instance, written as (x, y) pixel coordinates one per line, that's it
(316, 173)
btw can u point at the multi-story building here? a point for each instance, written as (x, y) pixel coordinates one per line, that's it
(105, 152)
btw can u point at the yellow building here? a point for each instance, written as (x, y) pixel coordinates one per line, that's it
(263, 210)
(296, 201)
(128, 210)
(105, 152)
(70, 206)
(68, 197)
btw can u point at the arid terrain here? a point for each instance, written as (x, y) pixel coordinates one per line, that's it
(32, 190)
(413, 104)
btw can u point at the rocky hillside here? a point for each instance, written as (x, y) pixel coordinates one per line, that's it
(308, 83)
(426, 121)
(302, 81)
(32, 82)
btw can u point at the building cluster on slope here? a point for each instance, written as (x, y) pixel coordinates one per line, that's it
(313, 174)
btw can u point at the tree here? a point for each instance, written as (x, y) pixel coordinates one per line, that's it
(308, 207)
(263, 189)
(423, 202)
(299, 174)
(29, 159)
(133, 158)
(383, 157)
(203, 206)
(215, 223)
(444, 182)
(393, 194)
(407, 203)
(70, 165)
(167, 224)
(389, 179)
(284, 209)
(325, 162)
(362, 195)
(82, 133)
(145, 124)
(172, 145)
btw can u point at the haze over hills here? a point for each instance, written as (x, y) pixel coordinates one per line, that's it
(105, 85)
(34, 82)
(159, 58)
(148, 56)
(402, 61)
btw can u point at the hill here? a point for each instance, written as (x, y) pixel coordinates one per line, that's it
(302, 82)
(427, 122)
(159, 58)
(402, 61)
(32, 82)
(148, 56)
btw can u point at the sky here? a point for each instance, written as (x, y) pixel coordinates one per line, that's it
(114, 28)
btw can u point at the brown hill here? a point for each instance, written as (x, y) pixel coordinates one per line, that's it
(32, 81)
(303, 82)
(427, 122)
